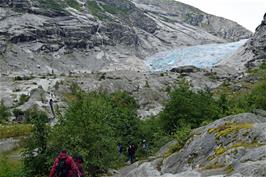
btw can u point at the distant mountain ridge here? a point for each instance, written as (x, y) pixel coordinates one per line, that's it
(102, 35)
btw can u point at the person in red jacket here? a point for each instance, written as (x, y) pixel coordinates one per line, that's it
(64, 166)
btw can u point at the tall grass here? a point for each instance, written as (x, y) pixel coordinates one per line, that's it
(15, 130)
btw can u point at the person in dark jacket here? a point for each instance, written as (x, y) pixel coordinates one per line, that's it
(64, 166)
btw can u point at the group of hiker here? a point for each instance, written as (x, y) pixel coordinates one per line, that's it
(67, 166)
(132, 149)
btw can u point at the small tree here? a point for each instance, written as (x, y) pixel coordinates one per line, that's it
(187, 107)
(4, 113)
(36, 154)
(258, 95)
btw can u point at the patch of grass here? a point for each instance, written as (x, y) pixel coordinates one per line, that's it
(69, 97)
(10, 168)
(52, 5)
(74, 4)
(15, 130)
(114, 10)
(99, 10)
(94, 9)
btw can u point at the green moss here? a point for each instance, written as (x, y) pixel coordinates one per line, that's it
(215, 165)
(229, 169)
(246, 144)
(229, 129)
(219, 150)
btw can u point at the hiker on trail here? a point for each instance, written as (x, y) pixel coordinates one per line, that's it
(131, 152)
(64, 166)
(79, 163)
(51, 104)
(144, 145)
(120, 149)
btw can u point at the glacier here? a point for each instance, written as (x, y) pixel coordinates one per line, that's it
(201, 56)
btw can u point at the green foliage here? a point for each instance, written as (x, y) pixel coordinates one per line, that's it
(95, 123)
(21, 78)
(94, 9)
(36, 156)
(4, 113)
(73, 3)
(258, 95)
(181, 136)
(17, 112)
(9, 168)
(153, 133)
(23, 99)
(52, 5)
(15, 130)
(187, 107)
(99, 10)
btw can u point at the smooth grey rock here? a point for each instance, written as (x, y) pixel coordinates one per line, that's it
(67, 40)
(253, 53)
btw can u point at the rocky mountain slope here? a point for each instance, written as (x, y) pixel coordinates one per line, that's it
(233, 146)
(38, 36)
(252, 53)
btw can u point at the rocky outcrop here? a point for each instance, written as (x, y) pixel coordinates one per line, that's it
(102, 35)
(253, 53)
(179, 12)
(232, 146)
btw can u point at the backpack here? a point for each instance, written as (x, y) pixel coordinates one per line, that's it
(62, 168)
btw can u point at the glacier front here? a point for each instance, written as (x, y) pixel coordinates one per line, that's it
(201, 56)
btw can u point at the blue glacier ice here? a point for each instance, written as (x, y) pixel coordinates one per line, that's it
(201, 56)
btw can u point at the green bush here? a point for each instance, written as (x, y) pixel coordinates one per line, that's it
(23, 99)
(95, 123)
(186, 107)
(36, 156)
(258, 95)
(4, 113)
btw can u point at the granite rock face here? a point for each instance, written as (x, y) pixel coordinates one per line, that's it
(39, 36)
(253, 53)
(232, 146)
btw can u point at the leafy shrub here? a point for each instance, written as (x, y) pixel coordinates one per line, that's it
(23, 99)
(36, 155)
(4, 113)
(186, 107)
(95, 123)
(258, 95)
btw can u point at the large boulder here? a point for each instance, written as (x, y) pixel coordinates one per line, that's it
(233, 146)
